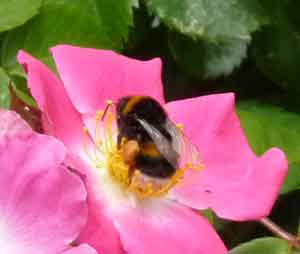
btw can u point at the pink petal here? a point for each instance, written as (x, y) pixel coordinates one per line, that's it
(166, 227)
(60, 119)
(93, 76)
(100, 232)
(81, 249)
(42, 204)
(235, 183)
(99, 224)
(12, 125)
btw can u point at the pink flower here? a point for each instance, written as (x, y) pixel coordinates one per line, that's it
(234, 182)
(42, 204)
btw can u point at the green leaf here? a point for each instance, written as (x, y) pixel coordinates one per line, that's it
(135, 3)
(292, 181)
(4, 90)
(205, 60)
(276, 48)
(141, 29)
(211, 20)
(277, 53)
(19, 85)
(89, 23)
(14, 13)
(267, 126)
(266, 245)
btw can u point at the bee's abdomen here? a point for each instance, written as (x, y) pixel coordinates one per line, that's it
(154, 166)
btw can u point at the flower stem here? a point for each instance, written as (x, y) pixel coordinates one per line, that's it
(280, 232)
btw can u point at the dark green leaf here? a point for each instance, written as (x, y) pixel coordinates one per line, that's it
(140, 30)
(267, 126)
(277, 54)
(292, 181)
(21, 91)
(4, 90)
(204, 59)
(267, 245)
(14, 13)
(211, 20)
(277, 47)
(90, 23)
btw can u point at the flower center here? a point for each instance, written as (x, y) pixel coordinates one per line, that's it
(106, 155)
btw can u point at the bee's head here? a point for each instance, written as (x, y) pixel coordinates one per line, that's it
(131, 108)
(143, 107)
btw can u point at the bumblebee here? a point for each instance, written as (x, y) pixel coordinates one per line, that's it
(150, 141)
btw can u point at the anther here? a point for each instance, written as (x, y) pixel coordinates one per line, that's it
(85, 129)
(194, 166)
(137, 173)
(99, 114)
(109, 102)
(180, 126)
(149, 185)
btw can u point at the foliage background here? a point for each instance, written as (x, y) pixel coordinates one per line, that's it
(251, 47)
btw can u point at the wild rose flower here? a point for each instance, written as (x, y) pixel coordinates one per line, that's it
(42, 204)
(234, 182)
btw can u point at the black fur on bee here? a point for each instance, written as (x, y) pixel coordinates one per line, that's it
(149, 160)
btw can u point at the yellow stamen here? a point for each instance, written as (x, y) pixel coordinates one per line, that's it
(107, 108)
(151, 190)
(180, 126)
(109, 102)
(85, 144)
(107, 156)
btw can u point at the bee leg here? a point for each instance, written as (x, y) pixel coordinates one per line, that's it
(119, 141)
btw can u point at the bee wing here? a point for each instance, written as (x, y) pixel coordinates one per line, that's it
(164, 146)
(189, 153)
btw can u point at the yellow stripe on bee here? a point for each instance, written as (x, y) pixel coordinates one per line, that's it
(131, 103)
(149, 149)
